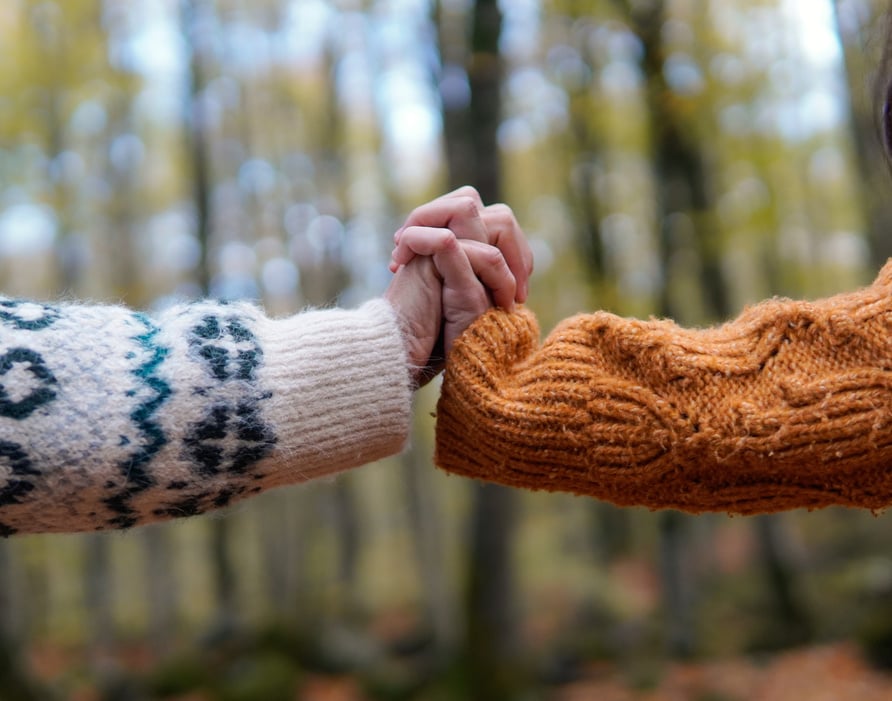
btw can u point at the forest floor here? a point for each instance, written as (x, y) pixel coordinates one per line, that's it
(826, 673)
(830, 672)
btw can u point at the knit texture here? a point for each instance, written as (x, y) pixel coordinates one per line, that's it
(110, 418)
(789, 405)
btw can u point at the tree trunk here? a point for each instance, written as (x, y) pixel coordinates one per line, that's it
(680, 177)
(200, 175)
(162, 591)
(455, 93)
(97, 594)
(493, 672)
(791, 623)
(426, 519)
(192, 11)
(677, 586)
(14, 680)
(873, 163)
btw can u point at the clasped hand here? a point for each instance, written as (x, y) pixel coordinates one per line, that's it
(453, 259)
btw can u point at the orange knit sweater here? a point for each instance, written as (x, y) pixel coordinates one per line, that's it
(789, 405)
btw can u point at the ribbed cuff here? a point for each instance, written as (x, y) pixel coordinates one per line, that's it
(496, 342)
(341, 388)
(475, 423)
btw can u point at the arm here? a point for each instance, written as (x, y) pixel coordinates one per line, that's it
(110, 418)
(789, 405)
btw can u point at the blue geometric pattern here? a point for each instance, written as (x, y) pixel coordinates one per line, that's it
(154, 439)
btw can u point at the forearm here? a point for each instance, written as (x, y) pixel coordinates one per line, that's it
(109, 419)
(788, 406)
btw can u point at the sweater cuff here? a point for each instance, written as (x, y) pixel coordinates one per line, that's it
(341, 388)
(495, 343)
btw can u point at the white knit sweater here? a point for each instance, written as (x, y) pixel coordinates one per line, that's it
(110, 418)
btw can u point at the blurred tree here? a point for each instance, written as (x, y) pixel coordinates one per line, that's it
(681, 169)
(197, 16)
(863, 29)
(16, 684)
(792, 622)
(452, 24)
(680, 174)
(472, 147)
(14, 679)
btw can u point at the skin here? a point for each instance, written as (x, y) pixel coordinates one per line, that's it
(452, 260)
(461, 214)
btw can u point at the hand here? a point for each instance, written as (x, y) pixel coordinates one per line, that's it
(440, 292)
(463, 214)
(415, 294)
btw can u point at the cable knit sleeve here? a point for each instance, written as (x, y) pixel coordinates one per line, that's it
(787, 406)
(111, 418)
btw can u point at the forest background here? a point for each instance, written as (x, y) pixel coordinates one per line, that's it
(676, 158)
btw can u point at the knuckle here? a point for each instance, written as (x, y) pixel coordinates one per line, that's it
(501, 217)
(468, 191)
(493, 257)
(447, 242)
(411, 235)
(418, 238)
(479, 300)
(500, 209)
(466, 207)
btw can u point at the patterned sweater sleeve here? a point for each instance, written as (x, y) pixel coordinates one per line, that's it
(111, 418)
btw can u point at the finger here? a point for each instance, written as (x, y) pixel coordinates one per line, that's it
(455, 268)
(461, 263)
(463, 213)
(505, 233)
(446, 212)
(465, 191)
(468, 264)
(421, 241)
(460, 310)
(464, 293)
(491, 268)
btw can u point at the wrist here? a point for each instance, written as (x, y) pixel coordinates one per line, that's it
(422, 364)
(414, 295)
(343, 395)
